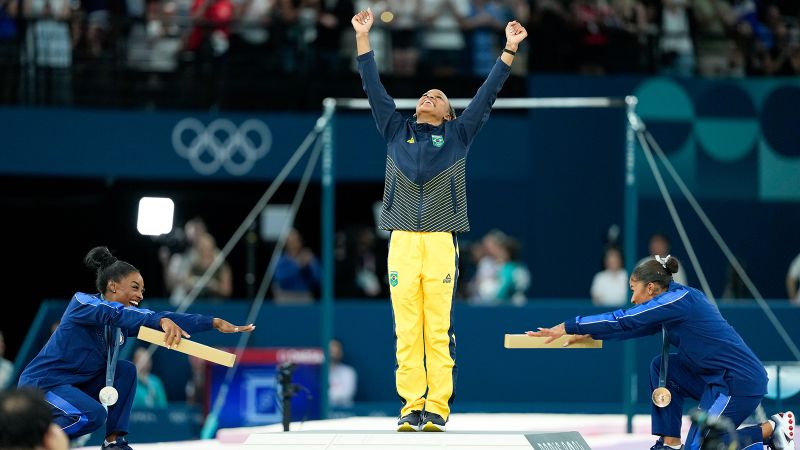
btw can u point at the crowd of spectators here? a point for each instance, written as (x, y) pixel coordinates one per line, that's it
(43, 41)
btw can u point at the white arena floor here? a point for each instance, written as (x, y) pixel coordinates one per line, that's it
(465, 432)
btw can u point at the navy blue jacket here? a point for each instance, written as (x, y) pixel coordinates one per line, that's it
(77, 352)
(707, 344)
(425, 188)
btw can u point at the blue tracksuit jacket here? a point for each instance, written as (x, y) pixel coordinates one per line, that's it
(707, 345)
(425, 188)
(77, 351)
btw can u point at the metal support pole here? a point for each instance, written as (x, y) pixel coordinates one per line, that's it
(631, 215)
(327, 251)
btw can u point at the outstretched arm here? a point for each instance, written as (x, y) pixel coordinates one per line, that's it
(173, 333)
(477, 112)
(384, 110)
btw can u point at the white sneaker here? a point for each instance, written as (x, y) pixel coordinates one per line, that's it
(783, 435)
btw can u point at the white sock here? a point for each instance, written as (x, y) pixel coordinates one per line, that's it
(676, 447)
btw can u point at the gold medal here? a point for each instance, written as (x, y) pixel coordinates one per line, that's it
(661, 397)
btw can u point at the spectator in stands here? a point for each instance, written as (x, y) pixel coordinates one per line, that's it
(182, 270)
(212, 26)
(629, 33)
(380, 37)
(220, 285)
(96, 15)
(297, 275)
(792, 280)
(552, 42)
(361, 264)
(176, 263)
(513, 276)
(610, 286)
(485, 283)
(783, 59)
(155, 41)
(26, 422)
(501, 277)
(484, 26)
(442, 38)
(403, 32)
(6, 366)
(251, 32)
(196, 386)
(660, 245)
(49, 49)
(591, 17)
(332, 21)
(676, 47)
(343, 378)
(717, 53)
(150, 391)
(734, 285)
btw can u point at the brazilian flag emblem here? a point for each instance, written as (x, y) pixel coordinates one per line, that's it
(438, 141)
(393, 278)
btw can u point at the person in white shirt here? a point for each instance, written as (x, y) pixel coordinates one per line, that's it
(610, 286)
(343, 379)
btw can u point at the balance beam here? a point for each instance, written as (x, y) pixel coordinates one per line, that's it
(525, 341)
(188, 347)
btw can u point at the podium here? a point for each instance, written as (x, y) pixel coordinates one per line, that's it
(451, 440)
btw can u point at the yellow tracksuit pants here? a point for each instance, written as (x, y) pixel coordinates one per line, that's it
(423, 269)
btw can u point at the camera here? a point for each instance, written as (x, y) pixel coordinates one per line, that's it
(287, 391)
(284, 375)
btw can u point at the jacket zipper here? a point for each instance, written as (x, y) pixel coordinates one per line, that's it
(421, 188)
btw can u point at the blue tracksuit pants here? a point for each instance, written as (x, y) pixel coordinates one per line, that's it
(77, 410)
(715, 399)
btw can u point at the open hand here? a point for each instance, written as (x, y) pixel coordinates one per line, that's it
(515, 33)
(363, 21)
(550, 333)
(173, 332)
(223, 326)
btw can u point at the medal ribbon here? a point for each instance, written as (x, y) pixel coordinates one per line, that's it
(662, 375)
(113, 336)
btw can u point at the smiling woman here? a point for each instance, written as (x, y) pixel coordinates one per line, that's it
(425, 206)
(79, 363)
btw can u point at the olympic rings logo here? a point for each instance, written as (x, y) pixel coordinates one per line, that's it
(221, 144)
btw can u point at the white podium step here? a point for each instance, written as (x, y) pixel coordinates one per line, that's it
(357, 440)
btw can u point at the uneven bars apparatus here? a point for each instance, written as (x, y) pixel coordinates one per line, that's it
(630, 209)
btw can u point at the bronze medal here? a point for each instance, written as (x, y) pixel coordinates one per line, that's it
(661, 397)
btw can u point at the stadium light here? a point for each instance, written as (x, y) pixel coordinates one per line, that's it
(155, 216)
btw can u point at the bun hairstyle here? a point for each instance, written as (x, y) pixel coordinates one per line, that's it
(658, 270)
(107, 267)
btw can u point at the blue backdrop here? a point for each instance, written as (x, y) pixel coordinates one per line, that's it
(552, 178)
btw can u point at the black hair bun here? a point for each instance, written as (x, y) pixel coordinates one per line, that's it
(99, 258)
